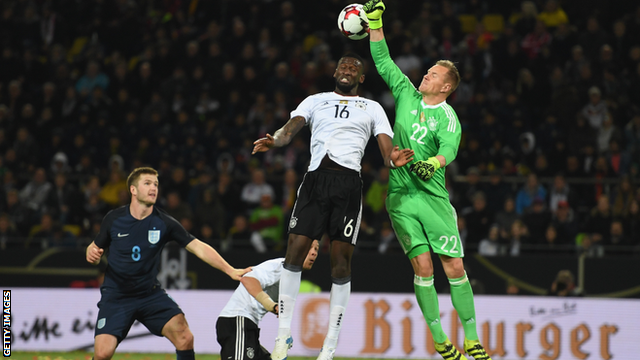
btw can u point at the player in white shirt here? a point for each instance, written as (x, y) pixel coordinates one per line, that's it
(237, 326)
(330, 196)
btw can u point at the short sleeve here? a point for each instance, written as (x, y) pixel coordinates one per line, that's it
(381, 123)
(267, 273)
(103, 240)
(177, 232)
(304, 109)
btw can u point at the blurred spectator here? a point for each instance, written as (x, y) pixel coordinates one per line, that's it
(535, 40)
(551, 243)
(537, 218)
(527, 18)
(552, 14)
(598, 223)
(478, 218)
(490, 246)
(176, 207)
(606, 133)
(565, 223)
(564, 285)
(617, 236)
(65, 202)
(110, 192)
(266, 222)
(518, 236)
(469, 188)
(560, 192)
(9, 237)
(252, 192)
(507, 215)
(91, 79)
(497, 191)
(512, 288)
(622, 197)
(632, 223)
(211, 212)
(595, 112)
(238, 236)
(528, 193)
(35, 193)
(375, 197)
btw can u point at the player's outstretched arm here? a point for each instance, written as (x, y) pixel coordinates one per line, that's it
(254, 288)
(94, 253)
(281, 137)
(213, 258)
(392, 155)
(374, 10)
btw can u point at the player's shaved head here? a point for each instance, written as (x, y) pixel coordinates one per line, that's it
(352, 55)
(133, 178)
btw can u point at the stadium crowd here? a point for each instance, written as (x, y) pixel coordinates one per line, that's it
(89, 90)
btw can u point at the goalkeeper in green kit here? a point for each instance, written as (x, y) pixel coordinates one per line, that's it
(417, 200)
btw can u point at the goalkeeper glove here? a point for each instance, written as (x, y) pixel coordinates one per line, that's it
(374, 10)
(425, 169)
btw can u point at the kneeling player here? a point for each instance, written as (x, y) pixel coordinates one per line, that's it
(237, 326)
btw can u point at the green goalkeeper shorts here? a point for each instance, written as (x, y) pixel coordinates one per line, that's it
(422, 221)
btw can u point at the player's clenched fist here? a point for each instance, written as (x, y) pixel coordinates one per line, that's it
(425, 169)
(374, 10)
(94, 253)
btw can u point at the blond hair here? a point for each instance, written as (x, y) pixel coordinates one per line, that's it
(453, 74)
(133, 178)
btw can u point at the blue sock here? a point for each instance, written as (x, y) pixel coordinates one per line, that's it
(185, 355)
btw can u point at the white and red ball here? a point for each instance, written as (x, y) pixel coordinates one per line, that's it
(353, 22)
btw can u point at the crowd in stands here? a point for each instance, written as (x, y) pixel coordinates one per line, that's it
(549, 104)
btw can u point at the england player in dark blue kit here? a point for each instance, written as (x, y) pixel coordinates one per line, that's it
(135, 235)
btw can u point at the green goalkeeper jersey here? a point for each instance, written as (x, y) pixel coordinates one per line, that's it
(428, 130)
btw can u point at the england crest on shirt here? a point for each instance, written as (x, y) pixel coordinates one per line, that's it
(154, 236)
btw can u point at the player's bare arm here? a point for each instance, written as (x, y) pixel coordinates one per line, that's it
(94, 253)
(213, 258)
(281, 137)
(392, 155)
(254, 288)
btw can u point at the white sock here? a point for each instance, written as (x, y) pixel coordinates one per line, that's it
(339, 298)
(289, 288)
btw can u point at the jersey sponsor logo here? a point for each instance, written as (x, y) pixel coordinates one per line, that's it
(432, 123)
(293, 222)
(250, 352)
(414, 112)
(102, 322)
(122, 235)
(154, 236)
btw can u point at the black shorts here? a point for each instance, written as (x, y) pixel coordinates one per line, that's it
(239, 339)
(329, 201)
(117, 313)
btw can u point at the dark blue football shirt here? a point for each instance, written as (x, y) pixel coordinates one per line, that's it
(135, 247)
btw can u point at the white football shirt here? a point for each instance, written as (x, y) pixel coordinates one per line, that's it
(243, 304)
(341, 126)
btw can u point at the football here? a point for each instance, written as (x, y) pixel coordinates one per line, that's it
(353, 22)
